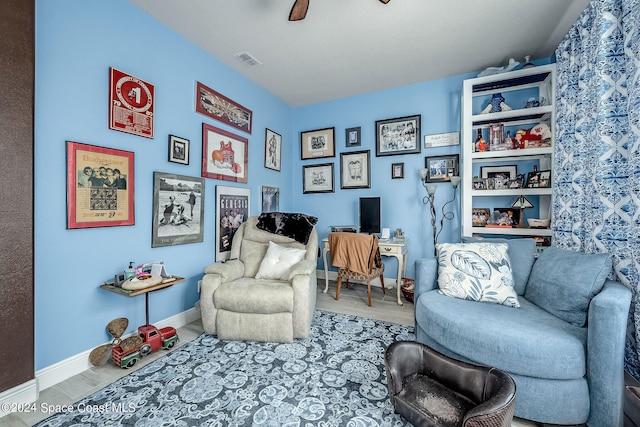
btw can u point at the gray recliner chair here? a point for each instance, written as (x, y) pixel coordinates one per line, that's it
(235, 305)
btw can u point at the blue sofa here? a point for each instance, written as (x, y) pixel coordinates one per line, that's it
(564, 345)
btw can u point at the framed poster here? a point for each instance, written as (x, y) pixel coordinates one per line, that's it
(270, 199)
(219, 107)
(353, 137)
(397, 170)
(441, 168)
(233, 206)
(398, 136)
(99, 186)
(317, 178)
(355, 170)
(178, 150)
(316, 144)
(178, 209)
(224, 155)
(131, 104)
(272, 150)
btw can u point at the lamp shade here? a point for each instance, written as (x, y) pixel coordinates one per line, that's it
(522, 203)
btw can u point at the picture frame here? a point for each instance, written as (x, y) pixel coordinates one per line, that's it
(441, 168)
(218, 107)
(503, 171)
(517, 182)
(100, 186)
(355, 170)
(506, 217)
(481, 183)
(179, 150)
(352, 137)
(539, 179)
(397, 170)
(233, 207)
(272, 150)
(178, 210)
(317, 178)
(397, 136)
(317, 144)
(131, 104)
(270, 199)
(225, 155)
(480, 217)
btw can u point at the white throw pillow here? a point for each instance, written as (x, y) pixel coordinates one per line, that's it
(278, 260)
(477, 272)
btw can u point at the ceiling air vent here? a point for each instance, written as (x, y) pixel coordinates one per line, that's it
(247, 59)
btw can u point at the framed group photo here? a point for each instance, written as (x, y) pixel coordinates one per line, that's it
(398, 136)
(272, 150)
(233, 206)
(178, 209)
(539, 179)
(178, 150)
(318, 178)
(317, 144)
(355, 170)
(225, 155)
(441, 168)
(99, 186)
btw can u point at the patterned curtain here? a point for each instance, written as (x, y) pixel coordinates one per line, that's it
(596, 198)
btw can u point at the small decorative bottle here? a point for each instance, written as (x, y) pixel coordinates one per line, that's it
(478, 141)
(129, 272)
(508, 142)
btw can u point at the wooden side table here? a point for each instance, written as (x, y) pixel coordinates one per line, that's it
(164, 284)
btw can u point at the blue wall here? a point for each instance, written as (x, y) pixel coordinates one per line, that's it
(76, 43)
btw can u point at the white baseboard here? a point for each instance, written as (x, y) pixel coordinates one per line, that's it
(74, 365)
(18, 395)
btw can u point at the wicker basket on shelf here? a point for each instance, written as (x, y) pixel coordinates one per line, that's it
(407, 288)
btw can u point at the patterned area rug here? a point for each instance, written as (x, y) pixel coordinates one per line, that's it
(335, 377)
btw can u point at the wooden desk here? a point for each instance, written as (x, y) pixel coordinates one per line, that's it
(164, 284)
(397, 249)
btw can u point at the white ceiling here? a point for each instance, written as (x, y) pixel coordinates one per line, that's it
(349, 47)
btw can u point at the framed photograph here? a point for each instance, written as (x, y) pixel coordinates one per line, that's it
(355, 170)
(517, 182)
(506, 217)
(352, 137)
(131, 104)
(219, 107)
(99, 186)
(442, 139)
(317, 178)
(539, 179)
(398, 136)
(441, 168)
(178, 209)
(397, 170)
(316, 144)
(481, 183)
(224, 155)
(178, 150)
(507, 172)
(272, 150)
(270, 199)
(233, 207)
(480, 216)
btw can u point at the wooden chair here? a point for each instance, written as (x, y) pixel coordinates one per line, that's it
(357, 257)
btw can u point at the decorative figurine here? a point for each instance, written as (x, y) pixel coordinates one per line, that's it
(496, 105)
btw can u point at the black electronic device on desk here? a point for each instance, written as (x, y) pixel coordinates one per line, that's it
(370, 215)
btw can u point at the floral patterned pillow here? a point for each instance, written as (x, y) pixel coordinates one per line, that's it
(476, 272)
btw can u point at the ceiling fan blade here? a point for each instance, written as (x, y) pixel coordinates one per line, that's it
(385, 1)
(299, 10)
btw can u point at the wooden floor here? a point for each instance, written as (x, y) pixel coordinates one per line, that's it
(352, 301)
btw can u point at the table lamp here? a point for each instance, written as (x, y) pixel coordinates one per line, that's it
(521, 203)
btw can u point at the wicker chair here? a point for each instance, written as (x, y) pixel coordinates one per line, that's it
(347, 249)
(429, 388)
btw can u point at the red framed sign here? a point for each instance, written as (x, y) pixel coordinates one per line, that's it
(131, 104)
(224, 155)
(99, 186)
(219, 107)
